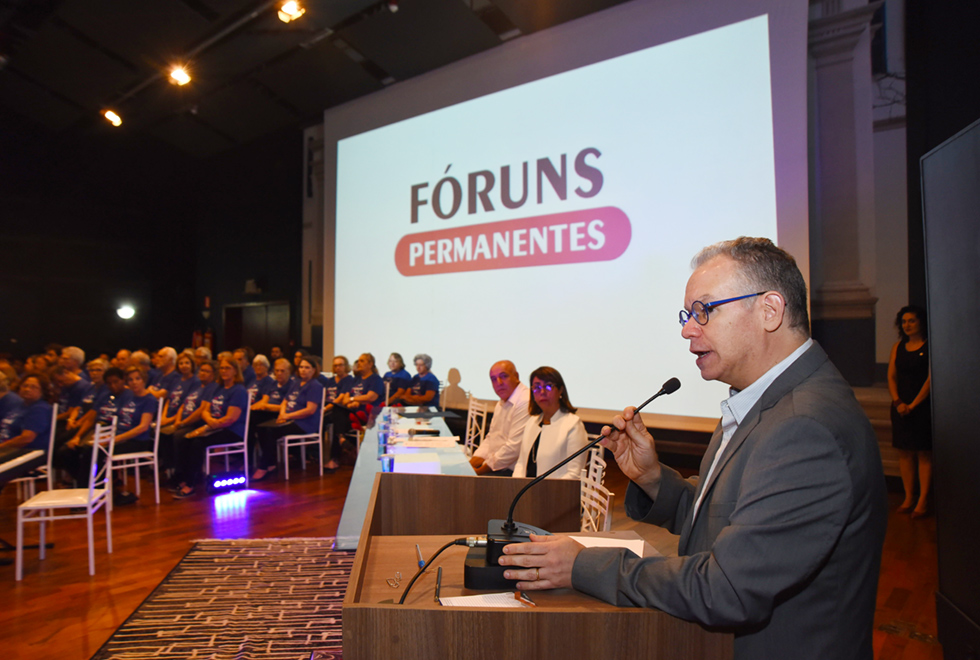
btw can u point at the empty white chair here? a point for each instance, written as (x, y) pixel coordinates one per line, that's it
(226, 450)
(64, 503)
(25, 484)
(138, 459)
(595, 468)
(476, 424)
(302, 441)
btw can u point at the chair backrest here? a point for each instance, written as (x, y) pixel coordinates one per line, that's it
(248, 418)
(595, 468)
(476, 423)
(323, 404)
(104, 444)
(596, 501)
(157, 424)
(54, 424)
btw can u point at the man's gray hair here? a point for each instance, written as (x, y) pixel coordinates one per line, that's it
(261, 359)
(203, 351)
(141, 357)
(76, 354)
(765, 267)
(169, 353)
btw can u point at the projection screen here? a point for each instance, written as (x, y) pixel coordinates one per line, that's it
(541, 202)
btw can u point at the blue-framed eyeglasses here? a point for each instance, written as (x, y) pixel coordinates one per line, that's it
(699, 310)
(542, 387)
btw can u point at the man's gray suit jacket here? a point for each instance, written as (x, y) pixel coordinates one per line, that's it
(786, 546)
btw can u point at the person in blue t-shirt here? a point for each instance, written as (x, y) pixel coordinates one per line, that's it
(398, 379)
(266, 408)
(244, 358)
(73, 389)
(367, 389)
(179, 391)
(188, 415)
(135, 419)
(263, 381)
(30, 425)
(299, 414)
(425, 386)
(10, 403)
(166, 380)
(224, 423)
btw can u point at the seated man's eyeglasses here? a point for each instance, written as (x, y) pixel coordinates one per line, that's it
(542, 387)
(699, 310)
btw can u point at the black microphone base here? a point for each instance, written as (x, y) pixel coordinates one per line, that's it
(481, 576)
(498, 537)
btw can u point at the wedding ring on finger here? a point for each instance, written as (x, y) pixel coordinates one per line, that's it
(537, 574)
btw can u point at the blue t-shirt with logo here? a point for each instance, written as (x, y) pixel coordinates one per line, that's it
(131, 414)
(10, 405)
(261, 387)
(335, 389)
(278, 392)
(372, 383)
(297, 398)
(179, 392)
(91, 394)
(34, 417)
(224, 398)
(108, 405)
(73, 395)
(399, 380)
(424, 384)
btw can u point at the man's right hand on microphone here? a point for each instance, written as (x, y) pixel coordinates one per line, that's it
(634, 449)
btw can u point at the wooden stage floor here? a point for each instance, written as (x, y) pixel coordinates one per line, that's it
(58, 612)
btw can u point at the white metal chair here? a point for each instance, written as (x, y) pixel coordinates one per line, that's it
(476, 424)
(226, 450)
(595, 499)
(63, 504)
(302, 441)
(25, 484)
(596, 502)
(138, 459)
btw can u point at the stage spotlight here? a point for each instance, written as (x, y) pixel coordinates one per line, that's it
(290, 11)
(113, 118)
(126, 312)
(179, 76)
(226, 482)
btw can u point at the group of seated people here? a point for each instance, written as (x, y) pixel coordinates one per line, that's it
(201, 402)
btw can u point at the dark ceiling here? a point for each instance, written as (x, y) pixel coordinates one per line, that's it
(63, 61)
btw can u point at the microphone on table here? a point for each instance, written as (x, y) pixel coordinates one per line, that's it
(481, 570)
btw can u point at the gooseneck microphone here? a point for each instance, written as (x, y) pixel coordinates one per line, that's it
(509, 527)
(482, 569)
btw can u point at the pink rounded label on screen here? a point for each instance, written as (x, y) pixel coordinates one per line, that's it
(601, 234)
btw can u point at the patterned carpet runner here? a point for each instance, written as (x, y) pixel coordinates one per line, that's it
(242, 599)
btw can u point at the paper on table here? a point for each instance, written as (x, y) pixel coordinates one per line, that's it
(504, 599)
(435, 442)
(636, 545)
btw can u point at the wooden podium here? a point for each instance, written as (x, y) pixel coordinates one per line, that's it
(432, 510)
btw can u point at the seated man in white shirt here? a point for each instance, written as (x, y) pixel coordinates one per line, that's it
(499, 450)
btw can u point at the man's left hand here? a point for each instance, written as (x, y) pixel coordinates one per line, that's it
(544, 563)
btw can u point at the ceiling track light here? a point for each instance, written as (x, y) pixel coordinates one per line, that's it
(112, 117)
(179, 76)
(290, 11)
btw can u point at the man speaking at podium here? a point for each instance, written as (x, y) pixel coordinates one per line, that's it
(781, 534)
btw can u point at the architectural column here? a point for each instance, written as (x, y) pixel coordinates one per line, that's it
(842, 245)
(312, 320)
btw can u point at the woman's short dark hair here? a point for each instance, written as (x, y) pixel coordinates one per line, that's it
(920, 314)
(114, 371)
(314, 362)
(550, 375)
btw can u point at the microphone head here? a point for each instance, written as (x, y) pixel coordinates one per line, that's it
(671, 386)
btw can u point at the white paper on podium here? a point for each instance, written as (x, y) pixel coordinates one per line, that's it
(635, 545)
(417, 463)
(503, 599)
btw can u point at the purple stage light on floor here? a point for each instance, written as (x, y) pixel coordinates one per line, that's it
(225, 482)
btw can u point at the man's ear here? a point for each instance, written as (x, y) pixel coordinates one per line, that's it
(774, 310)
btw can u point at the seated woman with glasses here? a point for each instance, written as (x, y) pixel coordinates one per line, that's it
(554, 432)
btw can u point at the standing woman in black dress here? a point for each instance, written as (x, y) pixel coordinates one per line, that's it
(908, 383)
